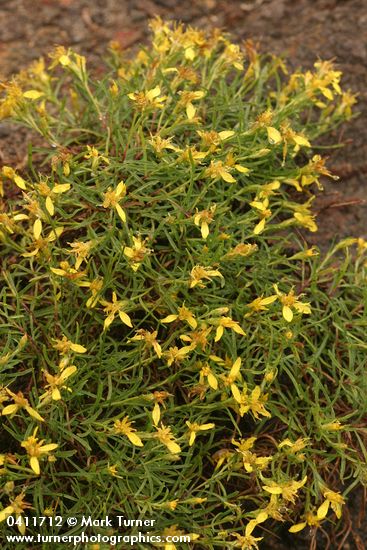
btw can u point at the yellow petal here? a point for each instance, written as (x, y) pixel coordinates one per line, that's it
(169, 319)
(61, 188)
(242, 169)
(10, 409)
(56, 395)
(50, 206)
(300, 140)
(8, 511)
(287, 314)
(236, 393)
(212, 381)
(64, 60)
(190, 111)
(69, 371)
(226, 134)
(37, 228)
(156, 414)
(204, 230)
(298, 527)
(34, 414)
(226, 176)
(323, 509)
(120, 212)
(273, 490)
(78, 348)
(33, 94)
(57, 271)
(35, 465)
(48, 448)
(20, 182)
(121, 189)
(125, 318)
(274, 136)
(129, 252)
(236, 367)
(173, 447)
(259, 228)
(135, 439)
(218, 333)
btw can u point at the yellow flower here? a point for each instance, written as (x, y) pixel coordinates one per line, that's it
(20, 402)
(81, 251)
(212, 139)
(260, 304)
(222, 169)
(46, 191)
(233, 56)
(9, 221)
(60, 56)
(247, 541)
(184, 314)
(159, 398)
(65, 346)
(116, 307)
(136, 253)
(95, 157)
(290, 301)
(197, 337)
(203, 219)
(268, 189)
(241, 249)
(150, 339)
(35, 449)
(174, 354)
(253, 401)
(191, 155)
(150, 99)
(67, 271)
(293, 448)
(198, 273)
(124, 427)
(159, 144)
(165, 436)
(221, 456)
(288, 489)
(112, 197)
(12, 100)
(187, 97)
(55, 383)
(206, 372)
(263, 211)
(40, 244)
(226, 322)
(95, 288)
(234, 374)
(333, 499)
(332, 426)
(304, 217)
(250, 460)
(305, 254)
(194, 428)
(310, 519)
(10, 173)
(16, 507)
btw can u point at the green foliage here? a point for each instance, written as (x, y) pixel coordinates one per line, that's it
(171, 347)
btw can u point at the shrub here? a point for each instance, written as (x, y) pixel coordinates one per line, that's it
(172, 348)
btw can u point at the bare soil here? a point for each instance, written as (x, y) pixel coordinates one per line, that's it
(302, 30)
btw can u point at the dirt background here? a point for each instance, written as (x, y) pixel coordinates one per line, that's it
(303, 30)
